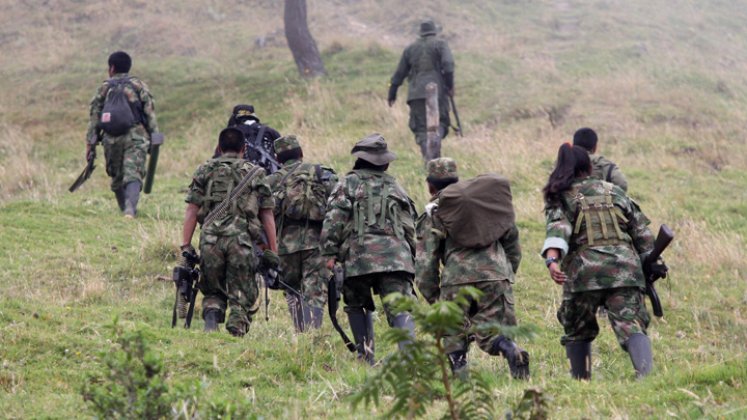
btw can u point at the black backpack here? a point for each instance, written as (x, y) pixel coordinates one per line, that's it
(118, 114)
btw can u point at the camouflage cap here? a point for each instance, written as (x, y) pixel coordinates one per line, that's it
(372, 148)
(442, 169)
(285, 143)
(428, 27)
(244, 112)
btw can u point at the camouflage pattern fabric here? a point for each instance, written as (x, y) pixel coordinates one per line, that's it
(125, 155)
(422, 62)
(356, 291)
(496, 306)
(441, 263)
(418, 121)
(441, 169)
(211, 182)
(286, 143)
(228, 265)
(602, 168)
(369, 226)
(626, 312)
(294, 236)
(306, 272)
(608, 263)
(125, 158)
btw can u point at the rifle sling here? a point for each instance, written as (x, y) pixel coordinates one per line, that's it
(332, 303)
(232, 195)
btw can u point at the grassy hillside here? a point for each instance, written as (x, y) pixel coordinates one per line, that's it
(665, 87)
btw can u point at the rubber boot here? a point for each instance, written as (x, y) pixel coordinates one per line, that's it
(315, 317)
(211, 318)
(639, 348)
(132, 196)
(296, 309)
(517, 358)
(362, 328)
(120, 198)
(458, 363)
(579, 354)
(404, 321)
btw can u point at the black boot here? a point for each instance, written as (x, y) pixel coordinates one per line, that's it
(517, 358)
(362, 326)
(458, 363)
(639, 348)
(296, 310)
(132, 196)
(404, 321)
(212, 319)
(579, 354)
(313, 317)
(120, 198)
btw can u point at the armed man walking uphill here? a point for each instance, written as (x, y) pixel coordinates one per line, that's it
(232, 201)
(456, 250)
(123, 118)
(427, 60)
(301, 190)
(259, 138)
(370, 229)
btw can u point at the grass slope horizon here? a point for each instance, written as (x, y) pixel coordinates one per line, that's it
(665, 88)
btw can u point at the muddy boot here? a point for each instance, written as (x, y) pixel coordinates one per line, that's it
(296, 310)
(132, 196)
(458, 363)
(579, 354)
(120, 198)
(362, 328)
(639, 348)
(212, 319)
(517, 358)
(404, 321)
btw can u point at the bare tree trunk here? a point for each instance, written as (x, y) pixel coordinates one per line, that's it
(300, 41)
(432, 122)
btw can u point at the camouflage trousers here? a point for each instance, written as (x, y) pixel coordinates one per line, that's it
(125, 157)
(356, 291)
(418, 122)
(626, 312)
(306, 272)
(228, 266)
(496, 306)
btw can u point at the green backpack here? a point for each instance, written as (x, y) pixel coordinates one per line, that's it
(303, 195)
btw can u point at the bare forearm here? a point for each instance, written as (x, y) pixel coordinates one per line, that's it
(190, 223)
(268, 224)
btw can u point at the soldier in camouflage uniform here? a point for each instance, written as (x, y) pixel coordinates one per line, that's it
(305, 187)
(601, 167)
(596, 240)
(370, 229)
(443, 267)
(426, 60)
(227, 244)
(125, 154)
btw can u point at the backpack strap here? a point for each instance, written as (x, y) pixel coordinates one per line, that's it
(608, 178)
(281, 184)
(137, 108)
(260, 135)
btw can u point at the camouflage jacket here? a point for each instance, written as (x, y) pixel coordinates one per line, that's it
(609, 262)
(459, 265)
(209, 186)
(140, 94)
(424, 61)
(370, 224)
(294, 236)
(602, 168)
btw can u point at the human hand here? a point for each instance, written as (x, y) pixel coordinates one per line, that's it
(557, 276)
(331, 263)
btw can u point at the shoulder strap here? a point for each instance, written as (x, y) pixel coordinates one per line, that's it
(608, 178)
(260, 135)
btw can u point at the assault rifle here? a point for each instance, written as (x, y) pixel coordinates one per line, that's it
(334, 290)
(653, 270)
(458, 127)
(87, 171)
(185, 278)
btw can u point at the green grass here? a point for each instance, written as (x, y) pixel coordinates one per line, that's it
(663, 86)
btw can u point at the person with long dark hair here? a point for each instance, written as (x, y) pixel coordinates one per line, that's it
(596, 239)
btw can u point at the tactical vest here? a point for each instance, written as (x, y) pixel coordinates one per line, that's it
(223, 175)
(600, 219)
(378, 207)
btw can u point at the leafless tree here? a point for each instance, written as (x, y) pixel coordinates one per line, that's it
(300, 41)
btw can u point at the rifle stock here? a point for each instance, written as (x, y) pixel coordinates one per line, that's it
(334, 289)
(185, 279)
(87, 171)
(663, 239)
